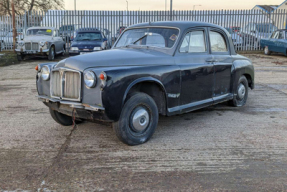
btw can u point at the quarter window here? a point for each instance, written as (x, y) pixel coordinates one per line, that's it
(281, 35)
(193, 42)
(217, 42)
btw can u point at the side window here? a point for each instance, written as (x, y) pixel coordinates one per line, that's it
(281, 35)
(276, 35)
(217, 42)
(193, 42)
(273, 35)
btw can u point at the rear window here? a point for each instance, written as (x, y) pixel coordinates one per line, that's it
(88, 36)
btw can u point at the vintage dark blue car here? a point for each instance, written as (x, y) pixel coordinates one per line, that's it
(161, 68)
(277, 42)
(87, 41)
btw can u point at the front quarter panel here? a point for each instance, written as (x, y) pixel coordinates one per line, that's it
(120, 80)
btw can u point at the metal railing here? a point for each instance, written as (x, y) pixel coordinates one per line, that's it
(246, 27)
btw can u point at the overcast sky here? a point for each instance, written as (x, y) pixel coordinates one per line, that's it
(160, 4)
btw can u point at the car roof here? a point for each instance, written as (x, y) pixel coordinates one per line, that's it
(88, 30)
(178, 24)
(52, 28)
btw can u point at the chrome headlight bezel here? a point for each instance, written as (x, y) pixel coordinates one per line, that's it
(45, 72)
(42, 43)
(90, 79)
(21, 43)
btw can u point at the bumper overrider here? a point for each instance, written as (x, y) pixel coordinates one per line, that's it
(63, 92)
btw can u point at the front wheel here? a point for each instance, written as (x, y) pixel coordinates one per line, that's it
(51, 55)
(266, 51)
(20, 57)
(138, 120)
(241, 93)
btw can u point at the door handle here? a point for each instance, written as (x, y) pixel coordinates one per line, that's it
(211, 60)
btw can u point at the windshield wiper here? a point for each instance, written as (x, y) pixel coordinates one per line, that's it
(140, 39)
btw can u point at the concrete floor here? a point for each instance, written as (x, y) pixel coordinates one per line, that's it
(213, 149)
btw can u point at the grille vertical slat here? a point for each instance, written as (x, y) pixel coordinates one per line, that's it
(72, 85)
(56, 84)
(66, 85)
(28, 46)
(35, 46)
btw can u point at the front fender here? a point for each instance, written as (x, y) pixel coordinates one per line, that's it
(143, 79)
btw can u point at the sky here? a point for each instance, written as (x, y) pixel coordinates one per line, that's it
(160, 4)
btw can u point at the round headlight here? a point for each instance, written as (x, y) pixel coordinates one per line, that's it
(21, 43)
(45, 73)
(42, 43)
(90, 79)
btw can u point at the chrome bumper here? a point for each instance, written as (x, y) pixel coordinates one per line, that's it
(71, 104)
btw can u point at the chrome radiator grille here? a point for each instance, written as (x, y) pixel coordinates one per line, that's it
(32, 46)
(56, 84)
(28, 46)
(35, 46)
(66, 84)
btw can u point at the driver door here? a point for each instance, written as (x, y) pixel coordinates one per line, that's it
(197, 70)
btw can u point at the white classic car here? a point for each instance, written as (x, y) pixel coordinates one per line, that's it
(41, 41)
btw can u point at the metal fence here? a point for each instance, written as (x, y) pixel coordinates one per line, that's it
(246, 27)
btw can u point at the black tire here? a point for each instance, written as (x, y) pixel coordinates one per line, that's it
(52, 54)
(64, 50)
(61, 118)
(20, 57)
(240, 99)
(125, 128)
(266, 50)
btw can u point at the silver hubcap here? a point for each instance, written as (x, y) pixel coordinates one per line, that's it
(266, 50)
(241, 91)
(140, 119)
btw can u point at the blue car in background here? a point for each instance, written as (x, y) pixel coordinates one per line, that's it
(87, 41)
(275, 43)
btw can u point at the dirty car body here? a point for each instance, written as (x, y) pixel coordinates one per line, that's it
(164, 68)
(40, 41)
(277, 42)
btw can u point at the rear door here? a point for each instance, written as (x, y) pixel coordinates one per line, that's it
(222, 61)
(281, 42)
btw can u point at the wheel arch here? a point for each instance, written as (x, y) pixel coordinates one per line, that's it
(150, 86)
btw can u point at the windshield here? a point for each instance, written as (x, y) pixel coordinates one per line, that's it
(265, 28)
(156, 37)
(39, 32)
(88, 36)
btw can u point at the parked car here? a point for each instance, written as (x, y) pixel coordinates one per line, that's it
(276, 43)
(253, 32)
(68, 32)
(41, 41)
(7, 41)
(236, 38)
(88, 41)
(235, 28)
(160, 68)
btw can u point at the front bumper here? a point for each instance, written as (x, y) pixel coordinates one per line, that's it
(32, 52)
(83, 111)
(71, 103)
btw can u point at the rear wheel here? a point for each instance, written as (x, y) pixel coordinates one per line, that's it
(266, 51)
(241, 93)
(138, 120)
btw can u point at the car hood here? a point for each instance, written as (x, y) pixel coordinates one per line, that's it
(37, 38)
(87, 44)
(117, 57)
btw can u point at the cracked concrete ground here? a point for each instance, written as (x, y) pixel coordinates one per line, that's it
(213, 149)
